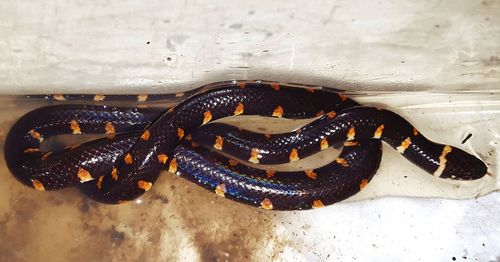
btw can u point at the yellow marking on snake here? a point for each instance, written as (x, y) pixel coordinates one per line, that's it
(378, 132)
(114, 173)
(144, 185)
(220, 190)
(351, 133)
(240, 108)
(442, 161)
(351, 143)
(162, 158)
(317, 204)
(311, 174)
(254, 156)
(363, 183)
(207, 116)
(324, 144)
(180, 94)
(294, 155)
(331, 114)
(342, 162)
(142, 98)
(128, 159)
(233, 162)
(46, 155)
(180, 133)
(110, 129)
(37, 185)
(31, 150)
(278, 111)
(99, 98)
(404, 145)
(75, 127)
(266, 204)
(99, 182)
(173, 166)
(219, 142)
(145, 136)
(84, 175)
(275, 86)
(36, 135)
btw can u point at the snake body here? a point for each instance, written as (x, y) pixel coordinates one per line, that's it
(140, 142)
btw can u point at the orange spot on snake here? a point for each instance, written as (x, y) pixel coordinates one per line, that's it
(294, 155)
(37, 185)
(241, 84)
(59, 97)
(99, 182)
(218, 142)
(207, 116)
(188, 137)
(162, 158)
(128, 159)
(31, 150)
(110, 129)
(114, 173)
(331, 114)
(343, 97)
(275, 86)
(268, 136)
(415, 132)
(311, 174)
(442, 160)
(75, 127)
(278, 111)
(46, 155)
(363, 183)
(254, 156)
(351, 143)
(145, 136)
(220, 190)
(270, 173)
(311, 90)
(342, 162)
(266, 204)
(180, 133)
(144, 185)
(173, 166)
(317, 204)
(351, 133)
(240, 108)
(320, 113)
(142, 98)
(36, 135)
(379, 131)
(233, 162)
(404, 145)
(99, 98)
(84, 175)
(324, 144)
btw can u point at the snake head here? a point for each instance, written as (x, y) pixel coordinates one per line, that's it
(461, 165)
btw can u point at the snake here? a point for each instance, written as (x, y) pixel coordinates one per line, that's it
(136, 143)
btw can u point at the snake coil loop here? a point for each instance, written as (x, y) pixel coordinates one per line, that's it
(139, 142)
